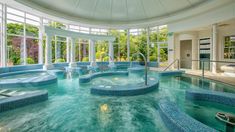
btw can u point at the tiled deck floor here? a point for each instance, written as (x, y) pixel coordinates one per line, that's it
(214, 76)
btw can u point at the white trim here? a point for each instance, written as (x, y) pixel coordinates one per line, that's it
(60, 32)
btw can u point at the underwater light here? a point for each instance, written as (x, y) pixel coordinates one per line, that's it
(104, 108)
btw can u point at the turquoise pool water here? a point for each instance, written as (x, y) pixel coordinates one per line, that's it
(71, 107)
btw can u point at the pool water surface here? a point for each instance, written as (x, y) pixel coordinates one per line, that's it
(71, 107)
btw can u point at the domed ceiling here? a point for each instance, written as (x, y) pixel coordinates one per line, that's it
(115, 12)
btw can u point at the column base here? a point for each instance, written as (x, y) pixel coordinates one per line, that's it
(93, 64)
(72, 64)
(111, 64)
(48, 67)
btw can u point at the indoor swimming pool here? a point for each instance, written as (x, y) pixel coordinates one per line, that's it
(71, 106)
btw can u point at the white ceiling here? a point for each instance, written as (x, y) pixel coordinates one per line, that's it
(118, 12)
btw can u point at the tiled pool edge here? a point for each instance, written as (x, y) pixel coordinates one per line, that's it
(22, 100)
(128, 90)
(44, 80)
(171, 73)
(211, 96)
(88, 78)
(178, 121)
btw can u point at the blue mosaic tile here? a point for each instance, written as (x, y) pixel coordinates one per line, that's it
(31, 81)
(14, 102)
(178, 121)
(211, 96)
(171, 73)
(88, 78)
(126, 90)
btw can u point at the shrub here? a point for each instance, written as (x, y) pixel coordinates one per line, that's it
(30, 61)
(152, 58)
(85, 59)
(106, 58)
(60, 60)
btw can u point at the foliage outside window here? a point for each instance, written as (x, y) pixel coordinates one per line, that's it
(229, 47)
(22, 35)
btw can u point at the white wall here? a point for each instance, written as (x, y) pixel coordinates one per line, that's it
(214, 16)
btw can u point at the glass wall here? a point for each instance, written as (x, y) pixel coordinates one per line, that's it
(138, 43)
(229, 47)
(23, 41)
(22, 37)
(1, 29)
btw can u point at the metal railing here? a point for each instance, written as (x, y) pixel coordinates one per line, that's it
(145, 64)
(172, 63)
(209, 61)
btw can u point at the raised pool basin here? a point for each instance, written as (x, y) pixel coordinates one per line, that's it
(125, 90)
(88, 78)
(25, 78)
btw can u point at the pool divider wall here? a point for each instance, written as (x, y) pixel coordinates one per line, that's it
(126, 90)
(88, 78)
(19, 101)
(30, 81)
(178, 121)
(211, 96)
(171, 73)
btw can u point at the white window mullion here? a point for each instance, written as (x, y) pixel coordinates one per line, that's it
(24, 43)
(4, 37)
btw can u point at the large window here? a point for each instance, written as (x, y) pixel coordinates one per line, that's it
(138, 43)
(24, 31)
(119, 45)
(158, 44)
(102, 51)
(22, 37)
(1, 29)
(229, 47)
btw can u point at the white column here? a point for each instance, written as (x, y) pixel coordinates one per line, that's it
(40, 43)
(72, 53)
(170, 48)
(67, 50)
(128, 45)
(79, 50)
(24, 43)
(48, 60)
(214, 49)
(111, 57)
(158, 53)
(4, 38)
(92, 53)
(148, 43)
(195, 55)
(110, 51)
(56, 49)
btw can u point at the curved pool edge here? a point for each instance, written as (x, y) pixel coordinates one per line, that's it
(178, 121)
(14, 102)
(30, 81)
(88, 78)
(126, 90)
(211, 96)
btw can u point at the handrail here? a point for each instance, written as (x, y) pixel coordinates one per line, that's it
(146, 69)
(209, 61)
(178, 64)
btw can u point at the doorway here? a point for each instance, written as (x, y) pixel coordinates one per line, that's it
(186, 54)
